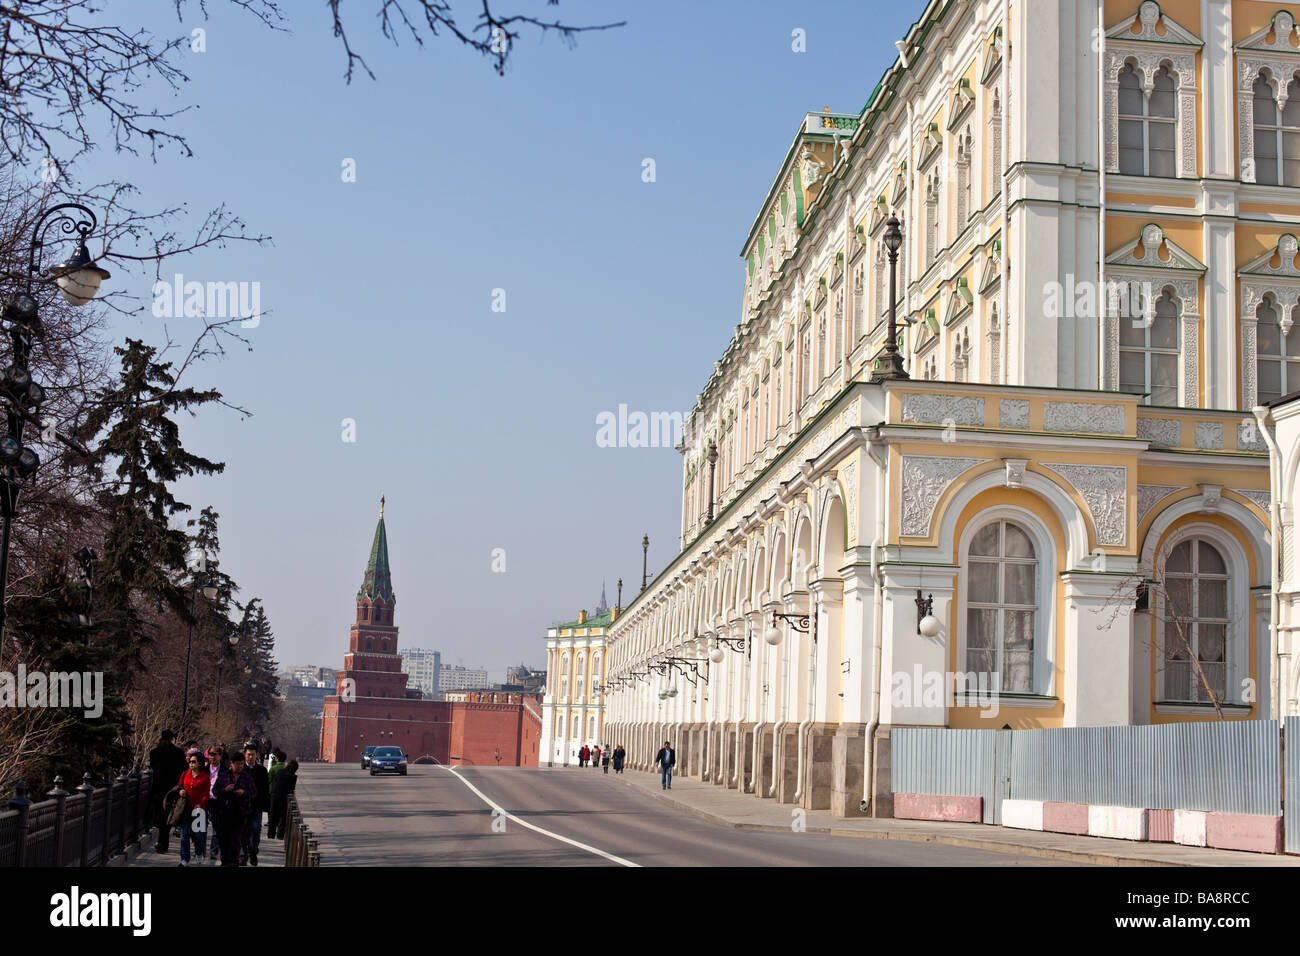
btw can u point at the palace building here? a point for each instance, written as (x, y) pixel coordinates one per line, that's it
(573, 707)
(1062, 515)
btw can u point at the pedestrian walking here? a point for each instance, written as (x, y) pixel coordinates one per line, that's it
(582, 755)
(197, 786)
(604, 761)
(285, 782)
(167, 761)
(216, 763)
(277, 764)
(251, 838)
(619, 756)
(595, 756)
(235, 792)
(667, 759)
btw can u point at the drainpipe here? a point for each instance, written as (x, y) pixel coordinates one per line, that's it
(1005, 344)
(806, 726)
(878, 615)
(1275, 687)
(761, 720)
(779, 726)
(1102, 298)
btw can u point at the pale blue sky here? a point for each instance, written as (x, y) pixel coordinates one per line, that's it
(478, 426)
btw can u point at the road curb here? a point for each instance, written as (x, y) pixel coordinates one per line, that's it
(1096, 858)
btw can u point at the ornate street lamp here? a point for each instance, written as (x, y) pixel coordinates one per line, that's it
(645, 551)
(713, 464)
(800, 622)
(208, 585)
(79, 279)
(888, 363)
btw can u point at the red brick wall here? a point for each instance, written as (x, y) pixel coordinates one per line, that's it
(481, 730)
(417, 726)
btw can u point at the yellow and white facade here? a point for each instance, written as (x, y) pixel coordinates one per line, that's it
(573, 708)
(1099, 276)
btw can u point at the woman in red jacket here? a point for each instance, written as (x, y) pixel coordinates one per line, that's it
(195, 783)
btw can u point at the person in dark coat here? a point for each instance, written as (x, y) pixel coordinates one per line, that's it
(235, 791)
(251, 839)
(286, 781)
(667, 759)
(619, 756)
(167, 761)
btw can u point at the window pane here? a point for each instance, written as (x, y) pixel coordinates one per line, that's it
(1132, 331)
(1210, 643)
(1270, 379)
(1214, 676)
(1208, 559)
(1160, 135)
(1178, 592)
(981, 625)
(985, 541)
(1180, 559)
(1018, 652)
(1018, 544)
(1164, 333)
(1132, 372)
(1130, 161)
(1164, 370)
(1162, 97)
(1291, 112)
(983, 582)
(1212, 599)
(1130, 94)
(1019, 580)
(1178, 680)
(1265, 107)
(1268, 336)
(1161, 163)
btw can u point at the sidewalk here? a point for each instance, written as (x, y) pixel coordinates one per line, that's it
(271, 853)
(745, 811)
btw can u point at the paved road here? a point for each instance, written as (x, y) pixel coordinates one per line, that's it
(436, 817)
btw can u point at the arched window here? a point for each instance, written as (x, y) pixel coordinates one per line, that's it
(370, 645)
(1148, 353)
(1146, 124)
(1277, 352)
(931, 220)
(1195, 622)
(1277, 138)
(564, 677)
(963, 180)
(1001, 605)
(880, 279)
(579, 678)
(823, 360)
(995, 146)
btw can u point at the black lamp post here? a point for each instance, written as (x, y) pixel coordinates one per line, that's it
(221, 661)
(85, 558)
(645, 550)
(713, 464)
(888, 363)
(78, 279)
(618, 605)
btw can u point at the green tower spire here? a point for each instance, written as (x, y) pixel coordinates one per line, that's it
(378, 582)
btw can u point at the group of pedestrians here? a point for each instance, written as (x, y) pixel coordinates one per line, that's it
(602, 757)
(218, 799)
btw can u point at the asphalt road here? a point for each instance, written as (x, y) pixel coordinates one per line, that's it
(435, 817)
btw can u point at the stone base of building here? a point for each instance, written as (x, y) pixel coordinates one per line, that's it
(882, 797)
(819, 766)
(848, 759)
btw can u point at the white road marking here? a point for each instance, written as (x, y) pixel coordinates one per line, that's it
(532, 826)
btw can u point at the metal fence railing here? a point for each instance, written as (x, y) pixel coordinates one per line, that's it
(301, 848)
(85, 827)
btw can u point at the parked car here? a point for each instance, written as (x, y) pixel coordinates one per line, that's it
(365, 756)
(388, 760)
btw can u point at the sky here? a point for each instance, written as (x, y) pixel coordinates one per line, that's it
(478, 425)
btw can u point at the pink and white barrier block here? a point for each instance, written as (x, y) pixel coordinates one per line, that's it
(925, 806)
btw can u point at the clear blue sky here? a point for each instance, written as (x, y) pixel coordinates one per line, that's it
(478, 426)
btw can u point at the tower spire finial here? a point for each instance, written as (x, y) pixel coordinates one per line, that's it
(381, 505)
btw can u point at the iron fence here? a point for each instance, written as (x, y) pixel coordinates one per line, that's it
(301, 848)
(85, 827)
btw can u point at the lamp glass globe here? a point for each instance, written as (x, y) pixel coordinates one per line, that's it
(716, 655)
(773, 636)
(930, 626)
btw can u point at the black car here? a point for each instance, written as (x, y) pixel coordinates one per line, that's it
(365, 757)
(388, 760)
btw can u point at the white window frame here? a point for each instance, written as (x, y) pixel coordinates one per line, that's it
(1145, 119)
(1254, 55)
(1147, 350)
(1147, 58)
(1045, 591)
(1240, 611)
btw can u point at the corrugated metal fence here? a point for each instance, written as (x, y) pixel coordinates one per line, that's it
(1229, 767)
(1291, 823)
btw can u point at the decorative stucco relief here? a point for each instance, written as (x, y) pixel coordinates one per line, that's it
(1149, 495)
(1166, 432)
(1104, 489)
(1013, 413)
(924, 479)
(940, 409)
(1083, 417)
(1209, 436)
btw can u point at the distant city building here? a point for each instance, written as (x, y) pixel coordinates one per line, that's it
(524, 678)
(309, 675)
(455, 677)
(423, 665)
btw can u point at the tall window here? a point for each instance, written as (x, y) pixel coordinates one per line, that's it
(564, 677)
(1277, 138)
(931, 220)
(823, 358)
(1001, 604)
(858, 328)
(963, 180)
(839, 329)
(1277, 352)
(1196, 622)
(880, 279)
(1148, 353)
(1146, 124)
(960, 356)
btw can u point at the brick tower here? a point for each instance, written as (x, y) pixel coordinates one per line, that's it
(371, 704)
